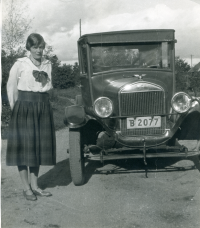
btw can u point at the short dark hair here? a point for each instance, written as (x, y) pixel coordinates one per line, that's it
(34, 39)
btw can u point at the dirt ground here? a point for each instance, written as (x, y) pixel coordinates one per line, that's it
(116, 195)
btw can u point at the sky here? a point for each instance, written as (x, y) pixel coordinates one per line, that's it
(58, 22)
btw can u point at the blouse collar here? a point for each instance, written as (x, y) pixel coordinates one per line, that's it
(27, 59)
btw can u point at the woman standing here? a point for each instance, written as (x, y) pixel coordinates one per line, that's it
(31, 139)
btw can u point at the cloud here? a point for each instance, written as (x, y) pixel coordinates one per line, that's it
(65, 44)
(58, 21)
(197, 1)
(147, 19)
(55, 16)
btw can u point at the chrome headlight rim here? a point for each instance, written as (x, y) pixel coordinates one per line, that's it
(185, 94)
(100, 98)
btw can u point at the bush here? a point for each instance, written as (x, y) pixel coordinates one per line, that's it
(7, 62)
(181, 68)
(5, 118)
(65, 76)
(194, 82)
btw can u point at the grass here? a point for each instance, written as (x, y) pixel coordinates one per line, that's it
(70, 92)
(61, 98)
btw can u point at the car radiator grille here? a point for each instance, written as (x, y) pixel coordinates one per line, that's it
(142, 103)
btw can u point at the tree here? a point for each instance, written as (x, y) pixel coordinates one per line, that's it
(48, 54)
(63, 76)
(186, 79)
(194, 82)
(7, 62)
(76, 74)
(16, 23)
(181, 66)
(181, 70)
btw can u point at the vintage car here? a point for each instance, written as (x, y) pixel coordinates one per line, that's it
(128, 107)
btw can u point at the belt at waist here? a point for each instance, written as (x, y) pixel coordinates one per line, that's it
(33, 96)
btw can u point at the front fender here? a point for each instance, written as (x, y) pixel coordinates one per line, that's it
(195, 104)
(189, 124)
(75, 116)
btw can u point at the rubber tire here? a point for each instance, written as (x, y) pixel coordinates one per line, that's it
(76, 157)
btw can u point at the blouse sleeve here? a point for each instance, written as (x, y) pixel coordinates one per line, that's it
(12, 90)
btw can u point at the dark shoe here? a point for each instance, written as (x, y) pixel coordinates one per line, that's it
(40, 192)
(29, 197)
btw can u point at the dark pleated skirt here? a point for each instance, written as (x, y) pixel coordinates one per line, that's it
(31, 138)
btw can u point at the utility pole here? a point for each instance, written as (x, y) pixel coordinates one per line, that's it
(80, 27)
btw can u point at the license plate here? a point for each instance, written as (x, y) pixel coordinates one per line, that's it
(144, 122)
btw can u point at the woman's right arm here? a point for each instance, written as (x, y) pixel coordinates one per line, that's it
(12, 90)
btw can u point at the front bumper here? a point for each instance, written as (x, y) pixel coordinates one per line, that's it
(128, 153)
(138, 142)
(118, 156)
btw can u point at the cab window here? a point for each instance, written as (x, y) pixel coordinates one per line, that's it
(148, 55)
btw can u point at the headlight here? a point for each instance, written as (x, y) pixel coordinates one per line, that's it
(103, 107)
(181, 102)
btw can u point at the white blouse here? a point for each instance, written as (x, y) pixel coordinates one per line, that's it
(21, 78)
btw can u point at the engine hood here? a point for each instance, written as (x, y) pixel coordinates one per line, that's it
(109, 85)
(133, 85)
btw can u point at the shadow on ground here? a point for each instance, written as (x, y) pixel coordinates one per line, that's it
(57, 176)
(60, 174)
(137, 166)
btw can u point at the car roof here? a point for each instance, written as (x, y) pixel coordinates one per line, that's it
(147, 35)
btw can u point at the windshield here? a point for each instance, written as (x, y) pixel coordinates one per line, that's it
(106, 58)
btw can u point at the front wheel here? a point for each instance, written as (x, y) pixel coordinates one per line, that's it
(76, 157)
